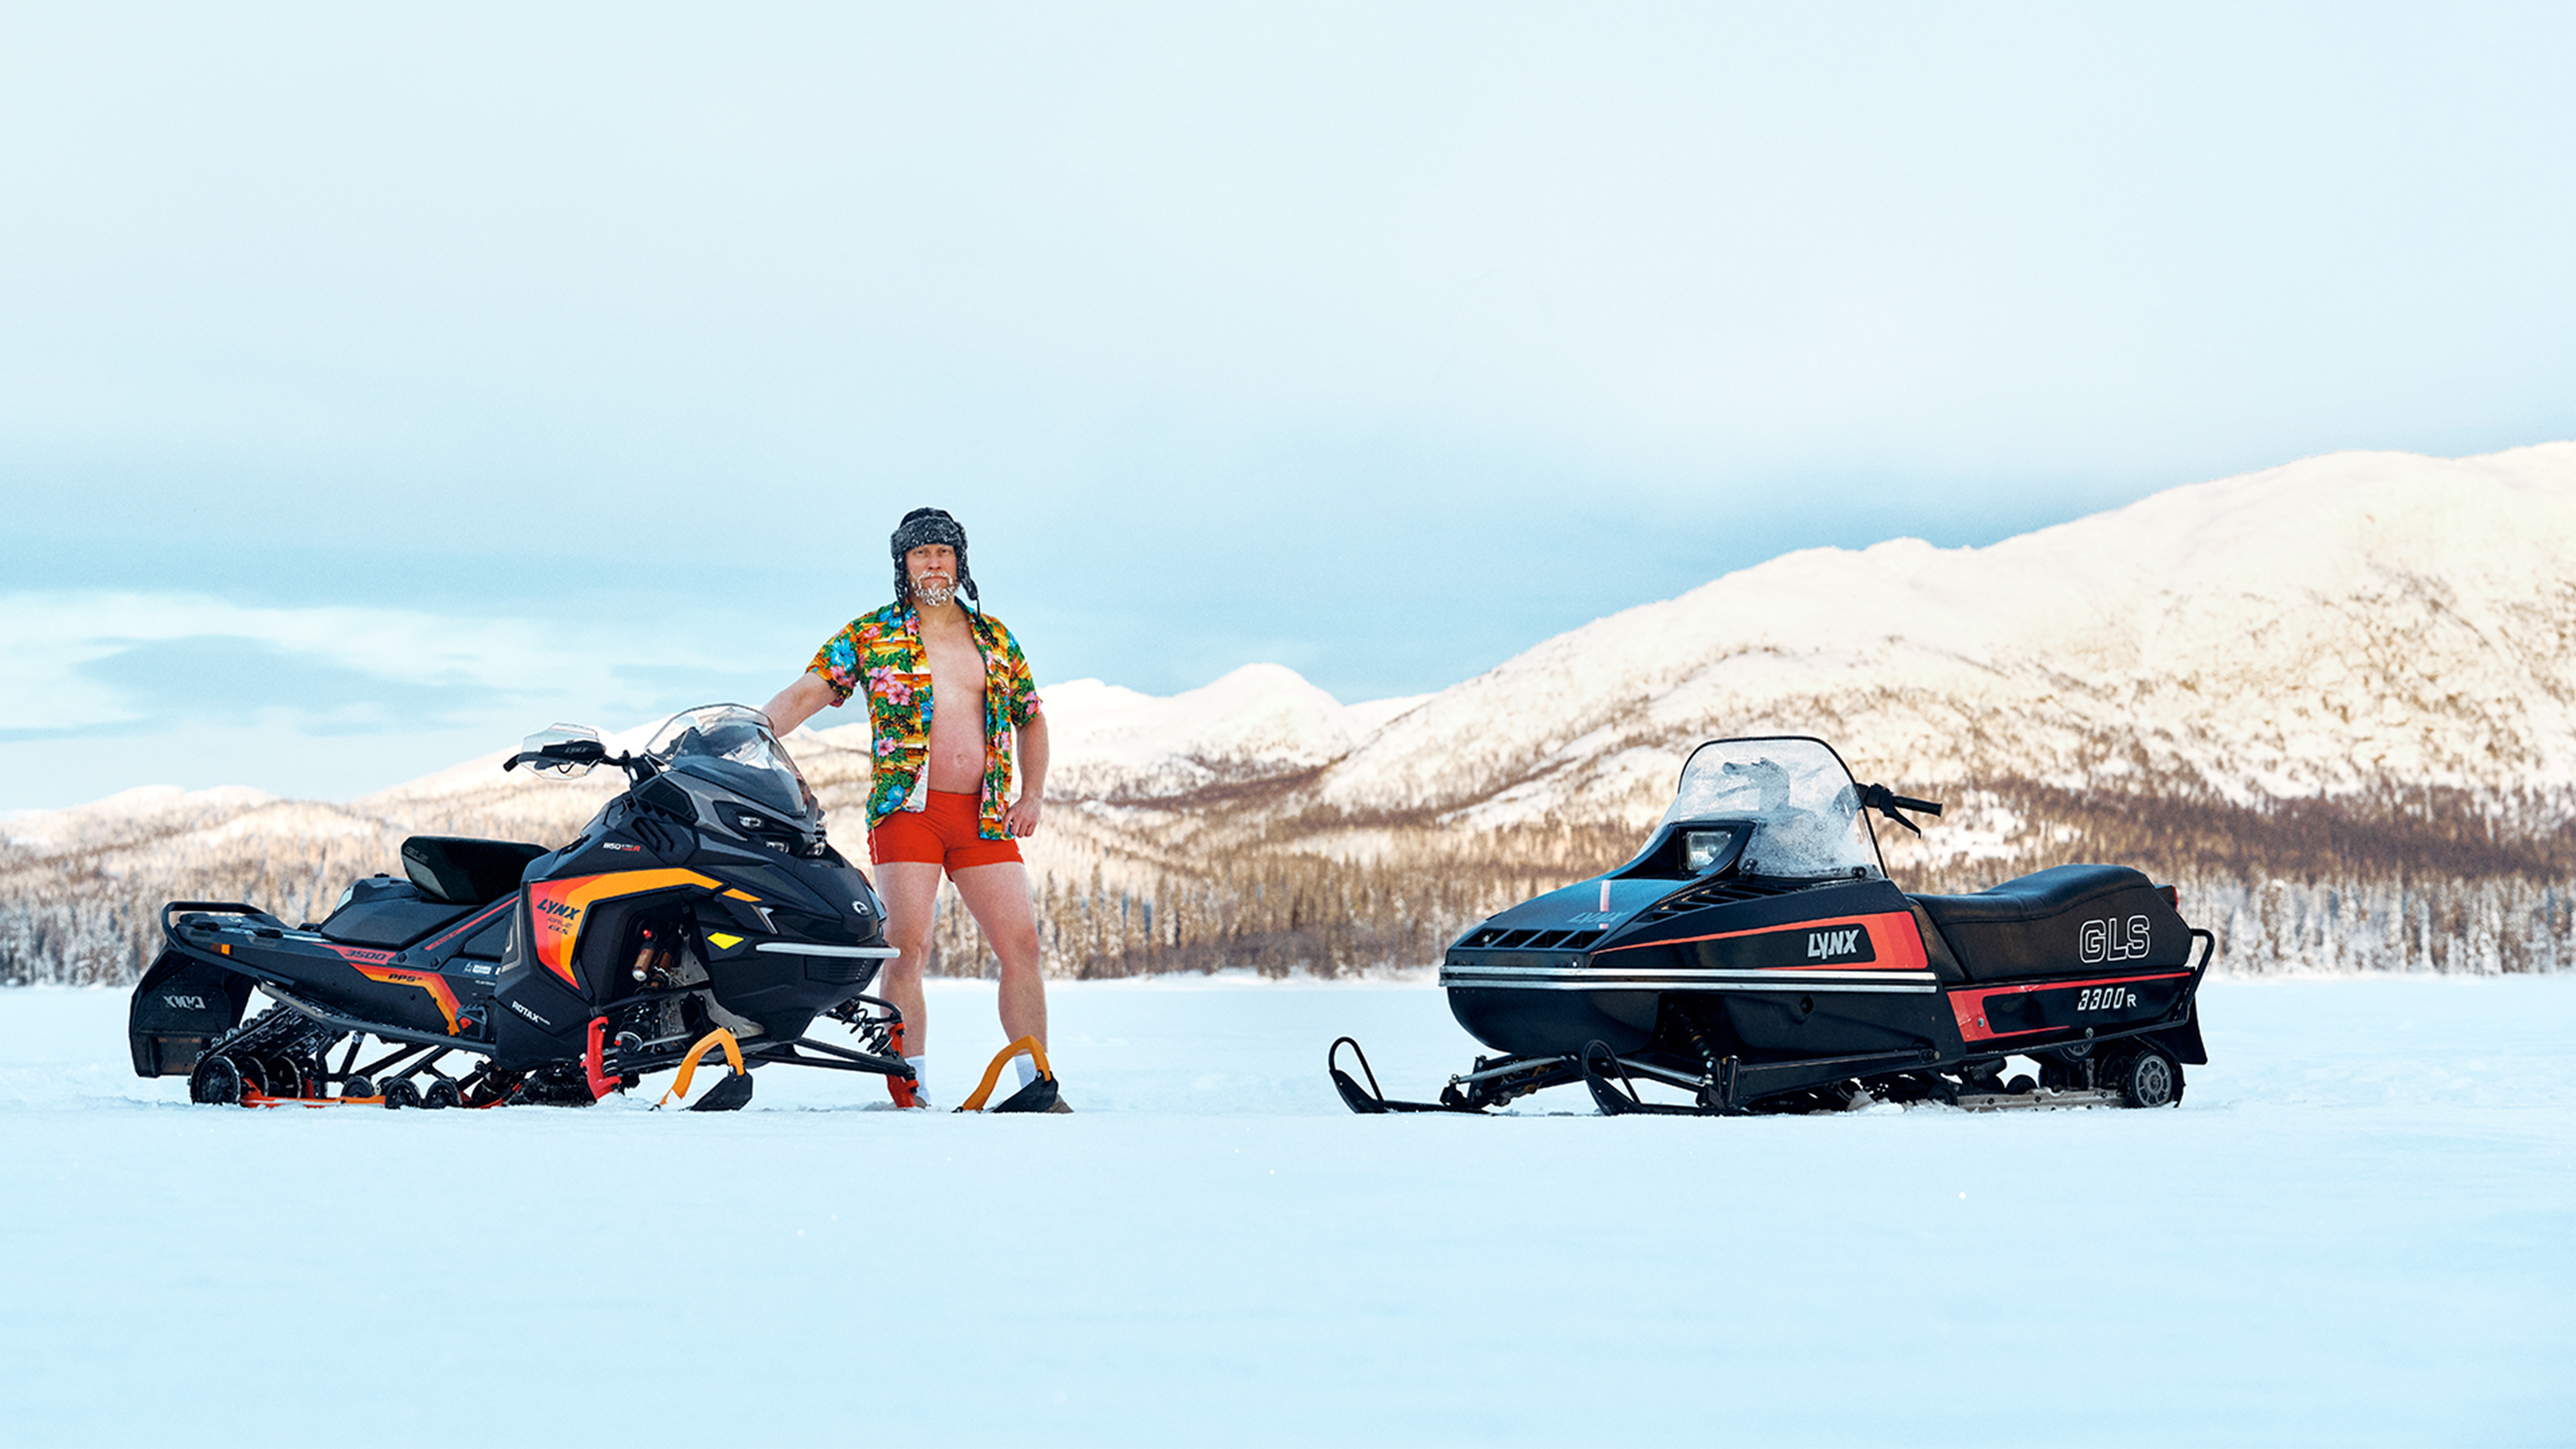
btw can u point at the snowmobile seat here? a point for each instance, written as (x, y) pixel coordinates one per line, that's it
(2055, 922)
(459, 871)
(388, 914)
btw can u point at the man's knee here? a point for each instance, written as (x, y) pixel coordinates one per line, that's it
(1017, 950)
(911, 937)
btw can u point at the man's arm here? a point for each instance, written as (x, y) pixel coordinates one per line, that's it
(798, 703)
(1023, 819)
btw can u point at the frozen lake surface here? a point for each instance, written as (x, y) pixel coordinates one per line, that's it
(2359, 1227)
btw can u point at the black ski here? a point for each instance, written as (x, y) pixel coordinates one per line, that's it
(1369, 1101)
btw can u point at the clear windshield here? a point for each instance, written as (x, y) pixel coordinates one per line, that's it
(1797, 795)
(732, 746)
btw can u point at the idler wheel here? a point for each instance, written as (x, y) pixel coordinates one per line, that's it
(401, 1093)
(215, 1080)
(442, 1093)
(358, 1087)
(2151, 1078)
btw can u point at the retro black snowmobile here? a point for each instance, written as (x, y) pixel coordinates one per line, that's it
(702, 909)
(1755, 957)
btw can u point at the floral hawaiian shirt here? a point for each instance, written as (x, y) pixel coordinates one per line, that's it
(881, 652)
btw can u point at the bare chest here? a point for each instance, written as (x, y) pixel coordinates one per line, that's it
(956, 678)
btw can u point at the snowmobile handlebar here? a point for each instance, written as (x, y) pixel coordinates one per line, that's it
(1887, 802)
(572, 755)
(560, 752)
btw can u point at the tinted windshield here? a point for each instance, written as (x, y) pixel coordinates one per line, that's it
(731, 746)
(1797, 795)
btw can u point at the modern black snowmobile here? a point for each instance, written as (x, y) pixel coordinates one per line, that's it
(1755, 956)
(701, 910)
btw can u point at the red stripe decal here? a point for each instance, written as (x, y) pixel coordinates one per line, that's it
(1893, 938)
(475, 921)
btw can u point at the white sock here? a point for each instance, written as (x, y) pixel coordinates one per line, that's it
(920, 1075)
(1027, 1069)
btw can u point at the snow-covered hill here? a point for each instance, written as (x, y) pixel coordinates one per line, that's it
(1261, 722)
(2342, 623)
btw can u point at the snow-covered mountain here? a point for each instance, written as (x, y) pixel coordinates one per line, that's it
(1261, 722)
(2343, 623)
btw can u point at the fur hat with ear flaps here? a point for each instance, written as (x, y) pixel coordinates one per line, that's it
(930, 525)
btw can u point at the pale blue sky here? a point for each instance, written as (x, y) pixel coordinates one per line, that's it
(377, 386)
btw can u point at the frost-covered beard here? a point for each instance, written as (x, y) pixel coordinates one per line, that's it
(933, 593)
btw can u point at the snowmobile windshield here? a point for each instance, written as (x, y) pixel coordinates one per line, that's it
(730, 746)
(1795, 793)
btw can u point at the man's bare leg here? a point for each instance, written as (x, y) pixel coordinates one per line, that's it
(910, 890)
(998, 896)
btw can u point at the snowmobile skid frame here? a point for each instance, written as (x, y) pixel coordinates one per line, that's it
(282, 1055)
(1730, 1086)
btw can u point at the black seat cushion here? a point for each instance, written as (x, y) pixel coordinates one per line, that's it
(390, 924)
(2064, 921)
(2034, 897)
(463, 871)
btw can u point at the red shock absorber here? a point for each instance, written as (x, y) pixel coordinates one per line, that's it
(900, 1088)
(593, 1060)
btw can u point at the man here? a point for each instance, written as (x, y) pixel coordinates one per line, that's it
(947, 687)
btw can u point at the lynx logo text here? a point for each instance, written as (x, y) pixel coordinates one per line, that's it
(1826, 945)
(2112, 939)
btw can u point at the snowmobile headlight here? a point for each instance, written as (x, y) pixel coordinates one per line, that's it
(1701, 848)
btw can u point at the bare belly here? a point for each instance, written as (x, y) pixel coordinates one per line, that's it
(957, 740)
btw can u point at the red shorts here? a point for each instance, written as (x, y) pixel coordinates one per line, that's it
(941, 833)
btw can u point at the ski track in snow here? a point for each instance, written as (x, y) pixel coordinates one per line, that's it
(2356, 1229)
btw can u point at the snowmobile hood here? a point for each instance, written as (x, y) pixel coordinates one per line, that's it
(1588, 909)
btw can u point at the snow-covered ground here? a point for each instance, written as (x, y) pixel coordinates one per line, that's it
(2360, 1227)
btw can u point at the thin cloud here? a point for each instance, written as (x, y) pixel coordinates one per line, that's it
(87, 661)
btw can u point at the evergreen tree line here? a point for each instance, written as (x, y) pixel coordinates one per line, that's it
(2403, 881)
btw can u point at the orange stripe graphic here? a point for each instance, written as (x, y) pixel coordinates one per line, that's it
(429, 981)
